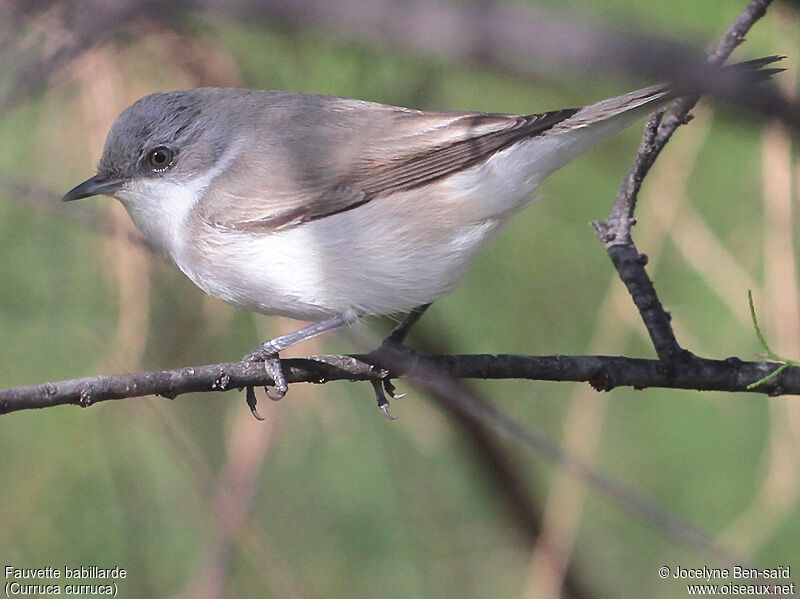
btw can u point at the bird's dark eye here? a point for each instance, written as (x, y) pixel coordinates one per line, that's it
(160, 158)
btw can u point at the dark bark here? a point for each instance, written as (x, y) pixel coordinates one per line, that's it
(602, 372)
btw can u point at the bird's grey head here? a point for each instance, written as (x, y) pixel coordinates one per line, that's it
(165, 137)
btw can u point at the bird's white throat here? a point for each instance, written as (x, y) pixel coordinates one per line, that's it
(159, 209)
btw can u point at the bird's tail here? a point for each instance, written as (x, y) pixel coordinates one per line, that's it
(596, 122)
(630, 107)
(740, 73)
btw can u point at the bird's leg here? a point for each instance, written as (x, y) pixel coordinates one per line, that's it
(396, 338)
(400, 332)
(268, 353)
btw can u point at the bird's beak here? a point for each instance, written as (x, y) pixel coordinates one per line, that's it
(95, 186)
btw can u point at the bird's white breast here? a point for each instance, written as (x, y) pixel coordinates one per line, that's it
(360, 261)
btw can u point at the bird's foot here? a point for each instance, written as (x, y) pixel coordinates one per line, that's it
(383, 385)
(268, 354)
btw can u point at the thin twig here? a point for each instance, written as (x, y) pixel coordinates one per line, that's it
(615, 231)
(602, 372)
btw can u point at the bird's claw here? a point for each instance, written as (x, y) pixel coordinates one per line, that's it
(390, 389)
(380, 396)
(250, 397)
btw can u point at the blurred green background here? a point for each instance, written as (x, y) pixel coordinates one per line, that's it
(194, 498)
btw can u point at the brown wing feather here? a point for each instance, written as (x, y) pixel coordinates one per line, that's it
(412, 159)
(406, 172)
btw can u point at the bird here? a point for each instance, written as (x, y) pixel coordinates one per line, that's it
(329, 209)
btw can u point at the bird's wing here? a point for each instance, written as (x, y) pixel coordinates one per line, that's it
(345, 158)
(324, 155)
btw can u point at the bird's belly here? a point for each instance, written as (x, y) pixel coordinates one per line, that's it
(366, 261)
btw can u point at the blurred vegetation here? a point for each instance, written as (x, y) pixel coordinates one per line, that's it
(327, 498)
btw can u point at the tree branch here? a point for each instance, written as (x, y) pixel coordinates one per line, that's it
(615, 231)
(602, 372)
